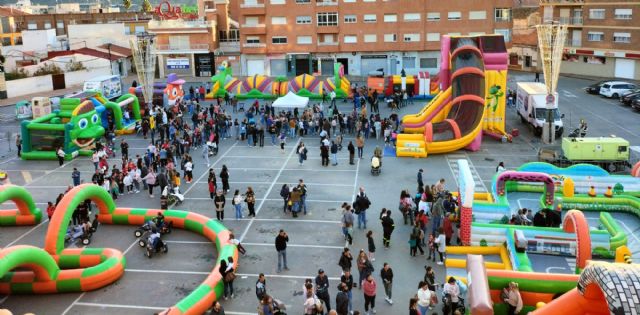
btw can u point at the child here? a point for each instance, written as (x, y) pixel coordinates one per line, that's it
(432, 247)
(387, 136)
(235, 241)
(282, 141)
(372, 245)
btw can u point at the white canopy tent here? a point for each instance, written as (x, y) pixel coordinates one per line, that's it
(291, 100)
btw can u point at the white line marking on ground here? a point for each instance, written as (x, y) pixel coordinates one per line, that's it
(273, 183)
(189, 242)
(548, 270)
(629, 231)
(138, 307)
(296, 245)
(355, 182)
(271, 199)
(180, 272)
(27, 232)
(206, 172)
(294, 220)
(66, 310)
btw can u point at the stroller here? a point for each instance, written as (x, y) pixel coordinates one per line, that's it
(376, 165)
(446, 307)
(278, 307)
(213, 148)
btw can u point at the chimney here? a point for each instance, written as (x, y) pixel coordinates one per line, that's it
(222, 14)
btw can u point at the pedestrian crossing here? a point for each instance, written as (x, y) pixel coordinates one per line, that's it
(452, 160)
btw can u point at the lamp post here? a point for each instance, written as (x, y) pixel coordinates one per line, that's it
(110, 63)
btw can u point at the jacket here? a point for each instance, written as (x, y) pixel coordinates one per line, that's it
(281, 242)
(219, 201)
(345, 262)
(342, 303)
(369, 287)
(387, 224)
(386, 275)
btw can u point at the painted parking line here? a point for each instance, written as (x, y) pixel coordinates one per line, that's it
(134, 307)
(252, 275)
(295, 245)
(272, 199)
(273, 183)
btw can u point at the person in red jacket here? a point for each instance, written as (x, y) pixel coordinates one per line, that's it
(50, 209)
(369, 287)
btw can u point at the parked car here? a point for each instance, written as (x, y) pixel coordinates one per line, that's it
(626, 99)
(595, 88)
(615, 89)
(636, 104)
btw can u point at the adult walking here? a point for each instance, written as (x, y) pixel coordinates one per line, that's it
(250, 199)
(347, 223)
(387, 227)
(60, 154)
(360, 145)
(352, 152)
(322, 289)
(424, 298)
(261, 287)
(346, 259)
(281, 248)
(361, 204)
(150, 179)
(211, 181)
(224, 177)
(324, 154)
(19, 145)
(302, 153)
(302, 187)
(386, 274)
(237, 203)
(420, 182)
(334, 153)
(219, 201)
(369, 287)
(452, 290)
(342, 300)
(285, 191)
(347, 279)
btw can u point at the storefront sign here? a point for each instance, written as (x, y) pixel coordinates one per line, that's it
(374, 57)
(178, 63)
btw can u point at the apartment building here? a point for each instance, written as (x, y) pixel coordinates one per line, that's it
(134, 21)
(290, 37)
(603, 38)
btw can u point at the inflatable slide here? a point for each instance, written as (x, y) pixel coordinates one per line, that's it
(471, 102)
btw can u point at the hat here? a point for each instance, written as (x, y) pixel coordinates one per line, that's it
(173, 79)
(320, 270)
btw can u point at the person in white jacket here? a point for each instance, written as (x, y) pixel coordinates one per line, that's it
(424, 298)
(452, 288)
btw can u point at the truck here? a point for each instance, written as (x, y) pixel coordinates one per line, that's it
(531, 105)
(109, 85)
(610, 153)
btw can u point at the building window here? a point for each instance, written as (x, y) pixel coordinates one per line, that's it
(253, 40)
(178, 42)
(303, 1)
(477, 15)
(47, 25)
(409, 62)
(277, 1)
(304, 40)
(251, 21)
(370, 38)
(503, 14)
(350, 39)
(476, 33)
(390, 38)
(411, 37)
(233, 35)
(596, 14)
(504, 32)
(623, 14)
(433, 37)
(351, 18)
(60, 24)
(327, 19)
(278, 20)
(428, 63)
(303, 19)
(433, 16)
(141, 29)
(455, 15)
(370, 18)
(348, 1)
(411, 17)
(391, 18)
(595, 36)
(279, 40)
(623, 38)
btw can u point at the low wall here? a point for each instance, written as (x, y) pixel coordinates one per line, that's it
(29, 86)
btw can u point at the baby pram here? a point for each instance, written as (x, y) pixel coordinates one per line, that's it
(376, 165)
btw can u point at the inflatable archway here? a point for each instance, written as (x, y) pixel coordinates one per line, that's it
(26, 213)
(56, 269)
(549, 190)
(576, 222)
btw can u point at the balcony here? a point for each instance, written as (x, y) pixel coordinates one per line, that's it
(254, 29)
(575, 42)
(254, 48)
(188, 48)
(326, 3)
(328, 43)
(230, 47)
(561, 2)
(179, 26)
(252, 9)
(328, 29)
(572, 21)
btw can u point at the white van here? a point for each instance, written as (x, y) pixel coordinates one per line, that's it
(531, 104)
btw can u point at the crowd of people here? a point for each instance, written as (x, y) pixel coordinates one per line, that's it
(430, 212)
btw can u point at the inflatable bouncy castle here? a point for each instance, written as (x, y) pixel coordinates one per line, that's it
(264, 87)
